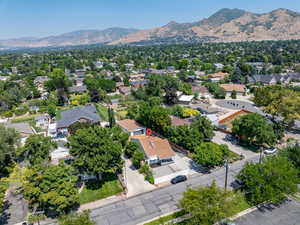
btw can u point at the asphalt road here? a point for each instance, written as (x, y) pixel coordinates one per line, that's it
(138, 209)
(287, 213)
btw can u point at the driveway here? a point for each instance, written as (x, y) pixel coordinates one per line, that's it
(287, 213)
(219, 138)
(135, 181)
(16, 208)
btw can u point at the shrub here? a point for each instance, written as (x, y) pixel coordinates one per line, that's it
(131, 148)
(137, 158)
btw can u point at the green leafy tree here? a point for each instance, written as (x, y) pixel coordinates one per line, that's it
(137, 158)
(233, 94)
(77, 219)
(96, 150)
(131, 148)
(51, 188)
(37, 149)
(210, 204)
(209, 154)
(253, 128)
(9, 140)
(270, 180)
(204, 126)
(292, 153)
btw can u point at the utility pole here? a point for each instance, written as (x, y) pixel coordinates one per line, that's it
(226, 173)
(260, 155)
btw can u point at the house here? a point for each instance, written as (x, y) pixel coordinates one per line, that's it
(99, 64)
(157, 151)
(229, 88)
(219, 66)
(4, 78)
(131, 127)
(226, 123)
(40, 81)
(125, 90)
(138, 83)
(271, 79)
(82, 114)
(202, 91)
(24, 129)
(176, 121)
(77, 89)
(205, 108)
(215, 77)
(42, 121)
(185, 99)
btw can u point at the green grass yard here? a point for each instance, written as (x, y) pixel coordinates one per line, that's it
(102, 110)
(95, 190)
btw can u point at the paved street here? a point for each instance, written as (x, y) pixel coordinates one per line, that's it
(149, 205)
(287, 213)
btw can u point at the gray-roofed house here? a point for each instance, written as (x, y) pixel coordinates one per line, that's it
(77, 89)
(82, 114)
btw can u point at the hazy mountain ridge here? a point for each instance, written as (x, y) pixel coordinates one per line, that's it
(226, 25)
(79, 37)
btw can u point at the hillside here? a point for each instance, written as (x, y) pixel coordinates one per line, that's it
(226, 25)
(81, 37)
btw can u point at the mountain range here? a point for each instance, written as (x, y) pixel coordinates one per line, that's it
(226, 25)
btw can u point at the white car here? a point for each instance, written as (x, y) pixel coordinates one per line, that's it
(270, 151)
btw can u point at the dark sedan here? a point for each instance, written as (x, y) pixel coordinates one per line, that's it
(178, 179)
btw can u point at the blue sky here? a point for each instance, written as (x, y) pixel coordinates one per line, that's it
(38, 18)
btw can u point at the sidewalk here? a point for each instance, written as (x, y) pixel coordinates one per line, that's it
(102, 202)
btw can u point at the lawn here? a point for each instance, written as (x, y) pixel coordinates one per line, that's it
(102, 110)
(95, 190)
(165, 219)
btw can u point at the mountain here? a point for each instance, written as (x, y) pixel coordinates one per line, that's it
(226, 25)
(81, 37)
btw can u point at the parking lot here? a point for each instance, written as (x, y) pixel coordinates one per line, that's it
(287, 213)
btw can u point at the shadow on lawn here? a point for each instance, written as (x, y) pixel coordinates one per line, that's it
(97, 184)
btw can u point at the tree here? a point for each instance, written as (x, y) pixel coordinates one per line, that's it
(279, 101)
(77, 219)
(9, 141)
(51, 188)
(209, 154)
(131, 148)
(233, 94)
(270, 180)
(96, 150)
(253, 128)
(208, 205)
(37, 149)
(111, 117)
(137, 158)
(220, 93)
(155, 117)
(51, 109)
(237, 77)
(292, 153)
(58, 80)
(171, 86)
(204, 126)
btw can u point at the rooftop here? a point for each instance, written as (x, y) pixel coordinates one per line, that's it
(71, 116)
(129, 125)
(234, 87)
(155, 146)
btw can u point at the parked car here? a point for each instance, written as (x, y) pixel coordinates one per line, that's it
(237, 184)
(270, 151)
(178, 179)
